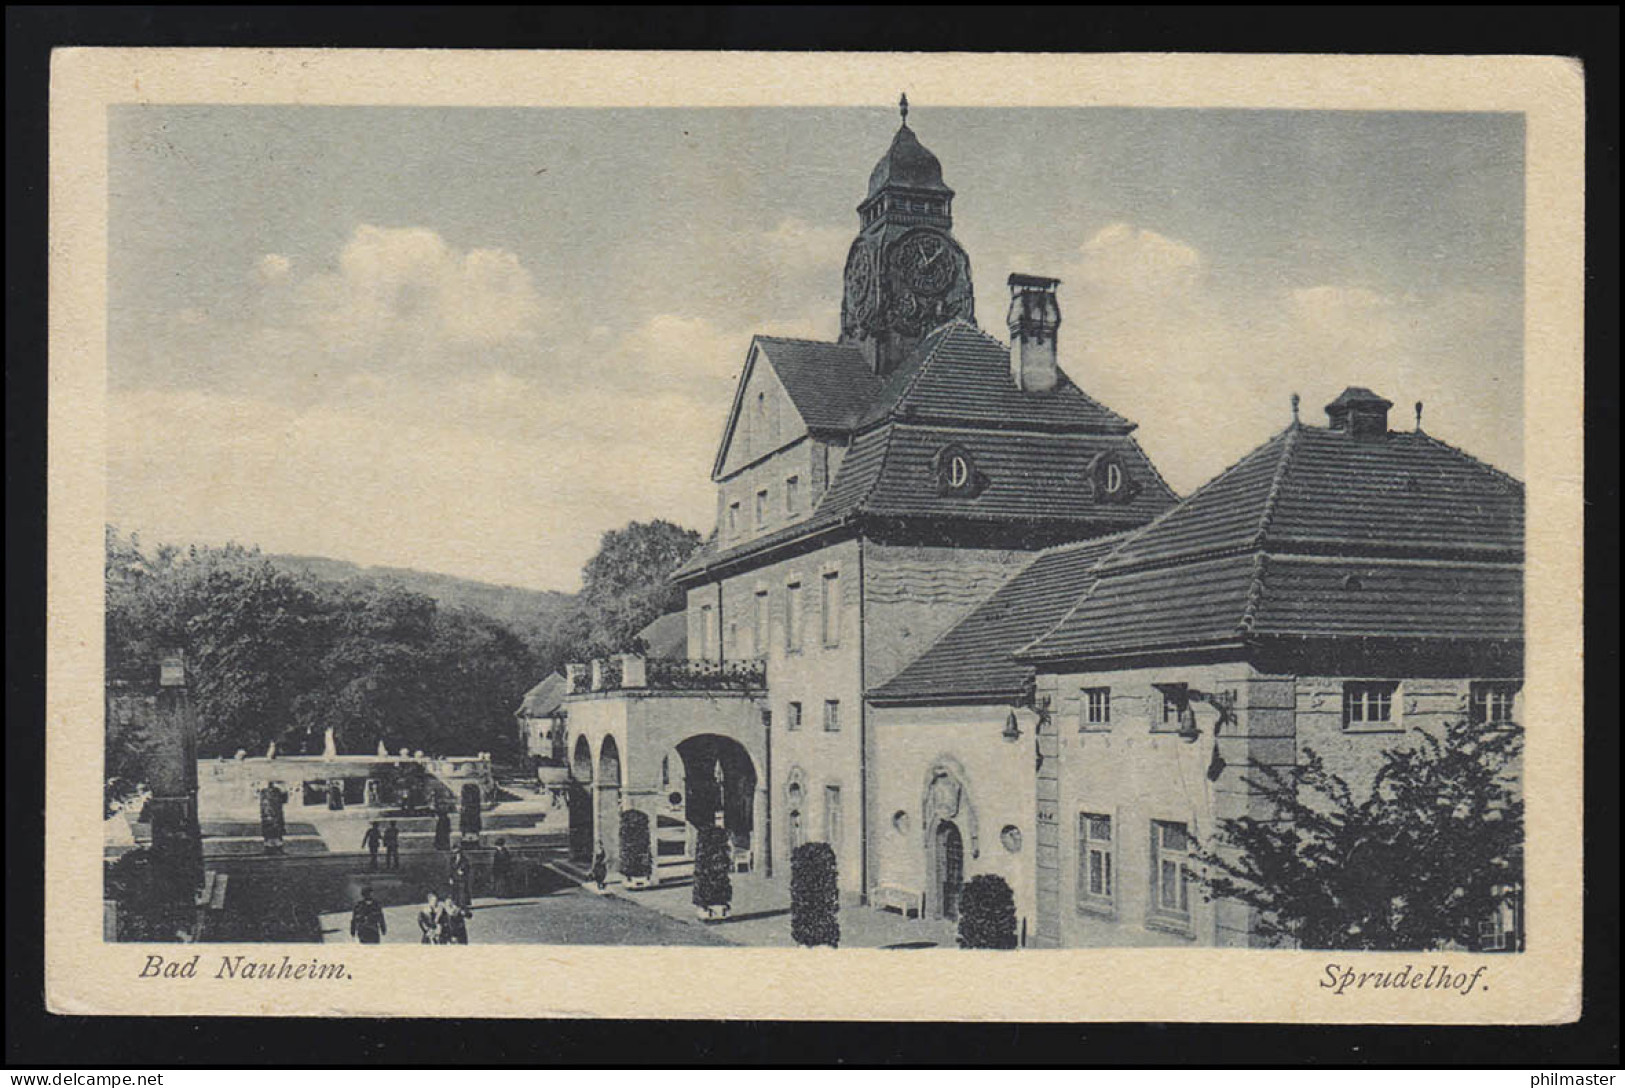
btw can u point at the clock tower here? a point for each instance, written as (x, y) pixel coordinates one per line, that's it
(905, 274)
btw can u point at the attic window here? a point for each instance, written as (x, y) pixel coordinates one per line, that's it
(1352, 582)
(1110, 478)
(956, 471)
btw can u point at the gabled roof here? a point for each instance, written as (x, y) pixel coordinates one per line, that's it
(975, 659)
(830, 384)
(666, 637)
(960, 374)
(1317, 533)
(543, 699)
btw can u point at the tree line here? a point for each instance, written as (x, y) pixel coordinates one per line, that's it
(279, 656)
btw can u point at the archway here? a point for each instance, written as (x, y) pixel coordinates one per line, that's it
(608, 817)
(719, 787)
(578, 797)
(948, 855)
(795, 829)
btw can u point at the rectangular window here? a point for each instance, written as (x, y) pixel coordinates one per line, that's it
(761, 508)
(792, 495)
(1368, 702)
(1094, 860)
(832, 715)
(1095, 706)
(792, 616)
(1492, 701)
(1175, 702)
(758, 625)
(834, 818)
(1170, 863)
(830, 590)
(733, 518)
(792, 717)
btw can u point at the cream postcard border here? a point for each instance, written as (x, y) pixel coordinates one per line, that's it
(1542, 985)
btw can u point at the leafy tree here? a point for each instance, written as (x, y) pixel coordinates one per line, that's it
(713, 887)
(1418, 862)
(627, 584)
(814, 896)
(635, 856)
(987, 913)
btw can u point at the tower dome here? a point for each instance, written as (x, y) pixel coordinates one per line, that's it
(907, 164)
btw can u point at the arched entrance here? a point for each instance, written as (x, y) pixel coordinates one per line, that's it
(795, 816)
(578, 797)
(719, 787)
(608, 819)
(949, 856)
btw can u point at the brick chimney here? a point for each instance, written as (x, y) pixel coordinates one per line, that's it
(1035, 324)
(1359, 412)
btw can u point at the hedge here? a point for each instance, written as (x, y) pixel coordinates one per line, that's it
(635, 857)
(713, 857)
(814, 896)
(987, 913)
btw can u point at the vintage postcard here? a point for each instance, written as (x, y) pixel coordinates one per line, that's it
(891, 537)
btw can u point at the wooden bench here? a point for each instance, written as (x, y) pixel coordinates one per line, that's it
(905, 901)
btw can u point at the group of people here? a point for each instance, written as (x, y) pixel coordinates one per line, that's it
(387, 836)
(444, 917)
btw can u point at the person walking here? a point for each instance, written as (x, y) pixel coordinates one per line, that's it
(462, 892)
(442, 829)
(429, 919)
(501, 868)
(600, 867)
(367, 923)
(370, 842)
(392, 846)
(454, 925)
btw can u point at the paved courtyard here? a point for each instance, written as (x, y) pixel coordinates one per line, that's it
(556, 910)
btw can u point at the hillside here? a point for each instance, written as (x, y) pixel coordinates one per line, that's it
(531, 612)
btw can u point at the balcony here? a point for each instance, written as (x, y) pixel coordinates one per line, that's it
(632, 672)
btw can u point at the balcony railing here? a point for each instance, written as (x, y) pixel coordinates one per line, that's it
(629, 672)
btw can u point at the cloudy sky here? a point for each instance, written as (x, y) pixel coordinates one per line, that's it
(471, 340)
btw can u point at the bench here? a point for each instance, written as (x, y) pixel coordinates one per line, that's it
(905, 901)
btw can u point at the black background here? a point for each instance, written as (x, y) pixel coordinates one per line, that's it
(35, 1038)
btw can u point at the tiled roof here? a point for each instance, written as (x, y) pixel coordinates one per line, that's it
(960, 374)
(544, 698)
(1036, 478)
(831, 384)
(1315, 533)
(974, 659)
(666, 637)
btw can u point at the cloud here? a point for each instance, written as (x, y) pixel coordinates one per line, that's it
(1207, 366)
(800, 245)
(407, 285)
(272, 267)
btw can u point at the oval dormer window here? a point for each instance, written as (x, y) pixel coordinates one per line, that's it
(956, 471)
(1111, 479)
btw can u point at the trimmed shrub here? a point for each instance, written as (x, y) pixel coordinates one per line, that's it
(712, 860)
(987, 913)
(635, 856)
(814, 896)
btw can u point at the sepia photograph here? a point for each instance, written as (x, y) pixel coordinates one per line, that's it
(906, 521)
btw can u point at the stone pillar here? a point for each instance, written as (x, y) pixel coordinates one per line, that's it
(634, 671)
(597, 674)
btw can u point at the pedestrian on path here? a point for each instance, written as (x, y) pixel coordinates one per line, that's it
(442, 829)
(370, 842)
(429, 919)
(501, 868)
(392, 846)
(461, 875)
(454, 925)
(367, 923)
(600, 867)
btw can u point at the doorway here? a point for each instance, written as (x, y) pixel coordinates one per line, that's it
(950, 868)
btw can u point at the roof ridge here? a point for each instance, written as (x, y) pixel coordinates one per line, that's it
(926, 360)
(1502, 474)
(805, 340)
(861, 501)
(1274, 495)
(1181, 503)
(1255, 594)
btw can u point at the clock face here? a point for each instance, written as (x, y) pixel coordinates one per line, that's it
(924, 262)
(860, 279)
